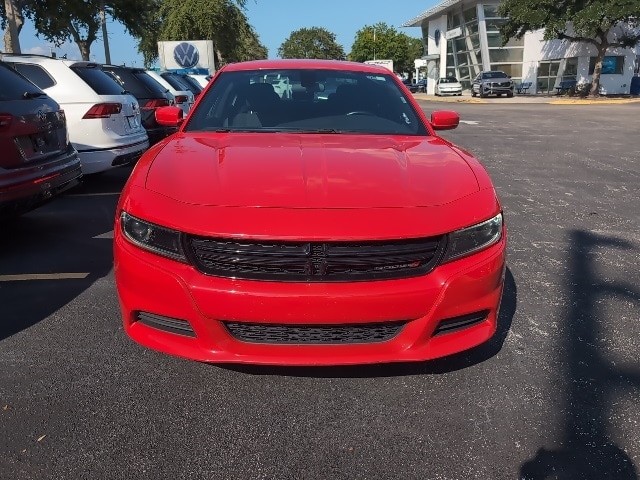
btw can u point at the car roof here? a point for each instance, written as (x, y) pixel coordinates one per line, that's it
(306, 64)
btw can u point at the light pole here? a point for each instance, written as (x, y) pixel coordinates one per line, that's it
(103, 18)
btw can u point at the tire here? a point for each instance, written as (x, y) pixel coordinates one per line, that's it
(473, 93)
(482, 94)
(510, 95)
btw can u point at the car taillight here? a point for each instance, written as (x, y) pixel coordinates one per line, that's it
(103, 110)
(181, 98)
(156, 103)
(5, 120)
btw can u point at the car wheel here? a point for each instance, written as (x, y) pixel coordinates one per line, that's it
(510, 95)
(473, 93)
(482, 94)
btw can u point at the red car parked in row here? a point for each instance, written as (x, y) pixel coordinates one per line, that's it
(309, 228)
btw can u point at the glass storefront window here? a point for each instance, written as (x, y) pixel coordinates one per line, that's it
(460, 44)
(494, 39)
(514, 70)
(470, 14)
(494, 24)
(611, 65)
(505, 55)
(471, 28)
(491, 11)
(453, 20)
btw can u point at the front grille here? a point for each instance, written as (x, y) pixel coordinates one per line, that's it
(167, 324)
(455, 324)
(316, 261)
(314, 334)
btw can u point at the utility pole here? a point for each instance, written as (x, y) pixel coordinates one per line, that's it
(105, 37)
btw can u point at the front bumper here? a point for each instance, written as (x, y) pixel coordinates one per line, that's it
(158, 286)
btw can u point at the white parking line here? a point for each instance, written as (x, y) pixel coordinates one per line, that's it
(42, 276)
(469, 122)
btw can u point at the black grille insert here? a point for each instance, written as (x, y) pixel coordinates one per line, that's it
(455, 324)
(314, 334)
(167, 324)
(316, 261)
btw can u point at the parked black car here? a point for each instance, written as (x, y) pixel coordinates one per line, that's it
(182, 81)
(150, 94)
(494, 82)
(413, 87)
(37, 161)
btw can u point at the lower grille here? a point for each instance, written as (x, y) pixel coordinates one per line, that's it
(316, 261)
(167, 324)
(455, 324)
(314, 334)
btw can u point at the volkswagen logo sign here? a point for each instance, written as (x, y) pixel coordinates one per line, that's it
(186, 55)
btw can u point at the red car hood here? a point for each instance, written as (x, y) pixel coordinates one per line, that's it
(309, 171)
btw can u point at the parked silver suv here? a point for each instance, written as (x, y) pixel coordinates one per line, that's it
(494, 82)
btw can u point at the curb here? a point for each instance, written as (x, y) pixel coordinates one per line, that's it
(529, 99)
(604, 101)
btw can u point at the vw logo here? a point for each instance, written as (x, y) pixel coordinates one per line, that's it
(186, 55)
(42, 116)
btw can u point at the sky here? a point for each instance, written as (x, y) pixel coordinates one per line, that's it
(273, 20)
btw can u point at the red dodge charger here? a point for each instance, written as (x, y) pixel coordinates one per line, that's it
(306, 213)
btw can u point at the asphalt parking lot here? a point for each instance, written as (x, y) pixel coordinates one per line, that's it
(555, 394)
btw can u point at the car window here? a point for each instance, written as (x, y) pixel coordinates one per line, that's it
(36, 74)
(99, 81)
(14, 86)
(307, 100)
(176, 82)
(138, 83)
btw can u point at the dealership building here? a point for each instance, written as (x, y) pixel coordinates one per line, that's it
(462, 38)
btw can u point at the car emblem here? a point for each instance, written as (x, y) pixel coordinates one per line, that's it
(42, 116)
(186, 55)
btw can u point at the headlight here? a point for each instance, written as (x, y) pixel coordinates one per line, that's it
(154, 238)
(473, 239)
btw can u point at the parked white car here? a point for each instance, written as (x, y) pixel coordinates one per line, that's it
(181, 98)
(448, 86)
(103, 121)
(203, 80)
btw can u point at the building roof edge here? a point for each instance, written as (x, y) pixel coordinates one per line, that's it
(415, 22)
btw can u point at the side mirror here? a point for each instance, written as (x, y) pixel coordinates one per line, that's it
(169, 116)
(443, 120)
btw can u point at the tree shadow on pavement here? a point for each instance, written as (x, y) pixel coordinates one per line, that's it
(591, 380)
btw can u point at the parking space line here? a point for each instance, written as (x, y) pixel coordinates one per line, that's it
(43, 276)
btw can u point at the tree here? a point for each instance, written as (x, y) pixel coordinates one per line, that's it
(381, 41)
(12, 15)
(314, 42)
(221, 21)
(602, 23)
(76, 20)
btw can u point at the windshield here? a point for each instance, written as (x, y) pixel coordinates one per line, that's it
(448, 80)
(305, 100)
(494, 75)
